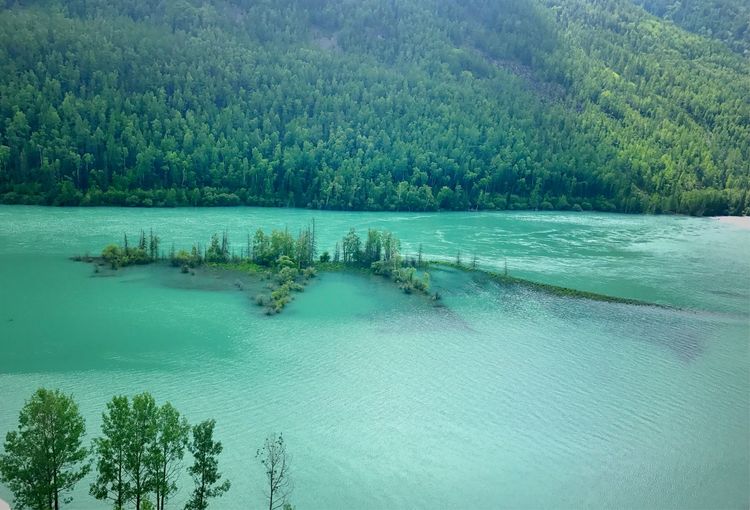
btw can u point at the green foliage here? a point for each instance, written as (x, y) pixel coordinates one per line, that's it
(725, 20)
(110, 451)
(310, 272)
(144, 253)
(167, 452)
(143, 430)
(286, 275)
(184, 259)
(205, 468)
(138, 456)
(409, 281)
(218, 252)
(45, 457)
(139, 452)
(409, 105)
(137, 256)
(281, 249)
(290, 260)
(280, 297)
(373, 247)
(381, 255)
(113, 255)
(351, 248)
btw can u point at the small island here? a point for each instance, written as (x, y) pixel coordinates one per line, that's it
(287, 263)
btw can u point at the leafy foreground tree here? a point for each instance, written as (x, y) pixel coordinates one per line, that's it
(45, 458)
(167, 452)
(140, 452)
(111, 450)
(205, 469)
(142, 437)
(275, 460)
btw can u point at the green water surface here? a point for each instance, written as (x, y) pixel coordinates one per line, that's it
(501, 398)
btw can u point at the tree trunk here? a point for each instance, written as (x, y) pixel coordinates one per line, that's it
(56, 494)
(120, 502)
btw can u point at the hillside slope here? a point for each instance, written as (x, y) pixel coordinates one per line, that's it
(727, 21)
(397, 105)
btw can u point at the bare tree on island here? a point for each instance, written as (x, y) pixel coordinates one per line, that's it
(275, 460)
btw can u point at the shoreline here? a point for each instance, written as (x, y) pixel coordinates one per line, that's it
(4, 505)
(378, 211)
(737, 221)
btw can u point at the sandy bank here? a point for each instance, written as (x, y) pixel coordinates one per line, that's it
(737, 221)
(4, 505)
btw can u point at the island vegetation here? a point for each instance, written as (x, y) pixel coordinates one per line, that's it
(287, 263)
(138, 458)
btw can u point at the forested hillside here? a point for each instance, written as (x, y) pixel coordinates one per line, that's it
(370, 104)
(725, 20)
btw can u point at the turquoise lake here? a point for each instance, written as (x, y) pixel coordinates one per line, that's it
(502, 398)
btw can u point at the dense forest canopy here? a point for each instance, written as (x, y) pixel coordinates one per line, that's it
(725, 20)
(372, 104)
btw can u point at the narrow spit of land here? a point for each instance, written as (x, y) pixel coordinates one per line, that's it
(285, 264)
(555, 290)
